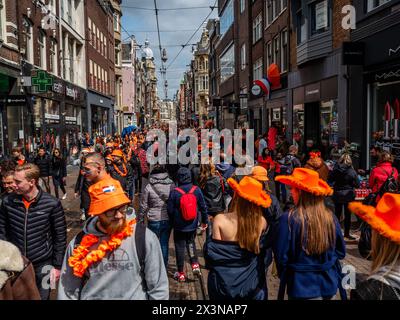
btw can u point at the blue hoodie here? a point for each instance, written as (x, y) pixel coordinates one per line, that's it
(184, 179)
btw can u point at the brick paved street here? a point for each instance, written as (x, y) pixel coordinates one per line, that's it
(193, 288)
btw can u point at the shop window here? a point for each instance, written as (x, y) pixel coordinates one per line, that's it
(298, 125)
(19, 128)
(384, 123)
(52, 111)
(329, 122)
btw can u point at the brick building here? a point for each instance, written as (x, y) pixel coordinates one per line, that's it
(99, 21)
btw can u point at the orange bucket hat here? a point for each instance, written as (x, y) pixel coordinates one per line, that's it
(251, 190)
(385, 218)
(105, 195)
(307, 180)
(259, 173)
(117, 153)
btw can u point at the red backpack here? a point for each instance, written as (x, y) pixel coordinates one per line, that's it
(188, 204)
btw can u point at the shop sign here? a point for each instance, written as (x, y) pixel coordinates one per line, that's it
(70, 119)
(353, 53)
(58, 87)
(72, 93)
(52, 116)
(13, 100)
(42, 81)
(312, 93)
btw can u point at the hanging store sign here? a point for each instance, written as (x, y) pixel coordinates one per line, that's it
(42, 81)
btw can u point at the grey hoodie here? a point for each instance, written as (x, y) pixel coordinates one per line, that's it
(117, 276)
(153, 201)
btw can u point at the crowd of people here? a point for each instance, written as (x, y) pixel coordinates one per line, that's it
(285, 214)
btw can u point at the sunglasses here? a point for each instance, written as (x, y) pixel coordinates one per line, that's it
(126, 210)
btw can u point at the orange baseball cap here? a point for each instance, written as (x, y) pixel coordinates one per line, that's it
(259, 173)
(117, 153)
(105, 195)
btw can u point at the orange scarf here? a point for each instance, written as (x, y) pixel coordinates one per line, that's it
(82, 258)
(122, 174)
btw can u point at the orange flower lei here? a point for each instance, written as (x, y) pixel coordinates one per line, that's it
(122, 174)
(82, 258)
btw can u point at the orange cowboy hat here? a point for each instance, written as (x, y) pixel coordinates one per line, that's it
(117, 153)
(307, 180)
(385, 218)
(259, 173)
(251, 190)
(105, 195)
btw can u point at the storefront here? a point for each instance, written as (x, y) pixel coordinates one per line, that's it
(15, 124)
(375, 95)
(100, 114)
(276, 112)
(55, 113)
(315, 113)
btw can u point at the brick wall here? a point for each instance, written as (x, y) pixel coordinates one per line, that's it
(103, 20)
(35, 19)
(339, 34)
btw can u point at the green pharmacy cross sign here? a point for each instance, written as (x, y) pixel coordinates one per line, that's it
(42, 81)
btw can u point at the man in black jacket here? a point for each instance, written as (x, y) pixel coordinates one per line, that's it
(34, 221)
(43, 161)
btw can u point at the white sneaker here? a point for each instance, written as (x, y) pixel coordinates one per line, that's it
(64, 196)
(83, 217)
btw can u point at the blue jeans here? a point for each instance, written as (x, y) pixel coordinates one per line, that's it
(162, 229)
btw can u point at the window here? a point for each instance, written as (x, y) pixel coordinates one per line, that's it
(257, 28)
(284, 51)
(28, 41)
(243, 101)
(197, 86)
(205, 83)
(91, 73)
(227, 18)
(276, 53)
(301, 28)
(71, 60)
(42, 48)
(258, 69)
(273, 9)
(90, 30)
(2, 20)
(116, 21)
(227, 63)
(243, 62)
(69, 14)
(269, 53)
(319, 17)
(53, 56)
(242, 6)
(373, 4)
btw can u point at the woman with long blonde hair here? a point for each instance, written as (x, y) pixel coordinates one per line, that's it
(384, 280)
(235, 253)
(309, 241)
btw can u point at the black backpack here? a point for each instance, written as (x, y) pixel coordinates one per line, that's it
(390, 185)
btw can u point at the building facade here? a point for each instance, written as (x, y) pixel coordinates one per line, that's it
(99, 23)
(129, 82)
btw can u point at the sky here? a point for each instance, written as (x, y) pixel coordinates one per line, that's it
(176, 28)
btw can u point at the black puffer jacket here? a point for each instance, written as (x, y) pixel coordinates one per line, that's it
(39, 232)
(213, 192)
(44, 164)
(58, 167)
(126, 180)
(344, 179)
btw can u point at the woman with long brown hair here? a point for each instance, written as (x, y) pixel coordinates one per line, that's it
(235, 253)
(309, 243)
(384, 281)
